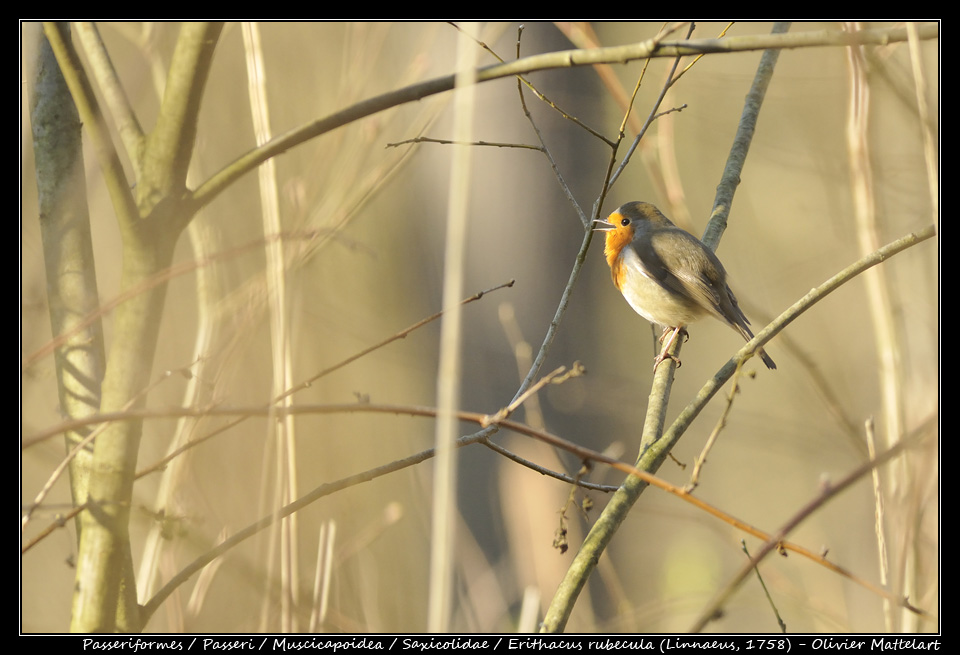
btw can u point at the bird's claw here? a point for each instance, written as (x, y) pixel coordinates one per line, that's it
(664, 354)
(659, 359)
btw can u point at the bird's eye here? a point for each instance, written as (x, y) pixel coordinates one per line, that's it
(625, 222)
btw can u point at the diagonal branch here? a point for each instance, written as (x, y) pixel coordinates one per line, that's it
(92, 118)
(553, 60)
(115, 96)
(730, 179)
(170, 144)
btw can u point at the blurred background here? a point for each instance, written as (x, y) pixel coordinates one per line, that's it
(365, 226)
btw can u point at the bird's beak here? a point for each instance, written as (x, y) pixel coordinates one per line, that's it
(604, 225)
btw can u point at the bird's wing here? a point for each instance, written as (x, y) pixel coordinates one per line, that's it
(676, 270)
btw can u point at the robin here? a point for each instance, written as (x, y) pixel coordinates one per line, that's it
(668, 275)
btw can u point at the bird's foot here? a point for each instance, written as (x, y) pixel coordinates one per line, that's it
(662, 357)
(664, 353)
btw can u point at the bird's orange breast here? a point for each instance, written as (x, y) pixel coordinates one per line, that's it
(616, 240)
(618, 271)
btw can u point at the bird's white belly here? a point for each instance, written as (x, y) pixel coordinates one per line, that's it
(652, 301)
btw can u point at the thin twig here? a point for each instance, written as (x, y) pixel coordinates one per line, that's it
(715, 433)
(543, 147)
(402, 334)
(558, 376)
(650, 117)
(449, 142)
(773, 606)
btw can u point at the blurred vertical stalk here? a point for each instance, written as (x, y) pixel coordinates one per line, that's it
(67, 255)
(282, 380)
(930, 150)
(448, 375)
(887, 340)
